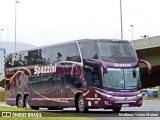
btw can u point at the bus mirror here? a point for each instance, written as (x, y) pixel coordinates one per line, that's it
(104, 70)
(104, 67)
(149, 66)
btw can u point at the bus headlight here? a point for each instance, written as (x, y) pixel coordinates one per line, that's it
(104, 94)
(139, 95)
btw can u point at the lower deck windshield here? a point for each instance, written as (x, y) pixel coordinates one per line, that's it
(121, 79)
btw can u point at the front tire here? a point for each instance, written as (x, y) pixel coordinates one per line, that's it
(20, 102)
(81, 105)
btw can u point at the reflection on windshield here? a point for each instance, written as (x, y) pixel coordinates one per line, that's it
(116, 51)
(122, 79)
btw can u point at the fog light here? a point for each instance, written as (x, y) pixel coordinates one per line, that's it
(140, 102)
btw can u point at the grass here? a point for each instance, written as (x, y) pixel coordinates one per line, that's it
(2, 95)
(55, 116)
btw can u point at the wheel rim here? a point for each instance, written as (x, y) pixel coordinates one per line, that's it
(20, 102)
(81, 105)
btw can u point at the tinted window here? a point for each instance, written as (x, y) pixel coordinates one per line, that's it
(89, 78)
(56, 54)
(46, 55)
(57, 82)
(35, 57)
(68, 81)
(71, 53)
(76, 82)
(71, 82)
(95, 79)
(41, 83)
(88, 49)
(116, 51)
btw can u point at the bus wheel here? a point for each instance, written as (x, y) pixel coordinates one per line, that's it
(28, 102)
(116, 109)
(20, 102)
(81, 105)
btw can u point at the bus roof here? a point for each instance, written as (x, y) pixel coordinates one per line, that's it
(63, 43)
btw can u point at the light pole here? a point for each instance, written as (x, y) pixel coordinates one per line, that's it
(1, 37)
(1, 51)
(121, 19)
(15, 22)
(132, 34)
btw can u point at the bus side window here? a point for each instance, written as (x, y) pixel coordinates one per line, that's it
(57, 82)
(76, 82)
(59, 57)
(89, 78)
(46, 55)
(56, 54)
(96, 80)
(71, 53)
(67, 81)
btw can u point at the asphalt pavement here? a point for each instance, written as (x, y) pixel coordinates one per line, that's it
(148, 106)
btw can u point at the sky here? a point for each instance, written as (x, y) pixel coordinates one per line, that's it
(44, 22)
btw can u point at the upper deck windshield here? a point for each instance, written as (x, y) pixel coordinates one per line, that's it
(116, 51)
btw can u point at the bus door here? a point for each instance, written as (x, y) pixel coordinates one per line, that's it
(96, 79)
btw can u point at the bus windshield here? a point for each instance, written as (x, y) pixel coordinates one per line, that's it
(122, 79)
(114, 51)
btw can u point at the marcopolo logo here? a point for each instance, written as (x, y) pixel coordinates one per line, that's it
(44, 69)
(122, 65)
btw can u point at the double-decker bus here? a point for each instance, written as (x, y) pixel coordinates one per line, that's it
(82, 74)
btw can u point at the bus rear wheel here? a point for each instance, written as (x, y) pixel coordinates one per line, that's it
(81, 105)
(28, 102)
(19, 102)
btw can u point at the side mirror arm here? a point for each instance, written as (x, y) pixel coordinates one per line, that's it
(149, 66)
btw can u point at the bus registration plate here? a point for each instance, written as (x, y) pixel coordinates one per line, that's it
(125, 105)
